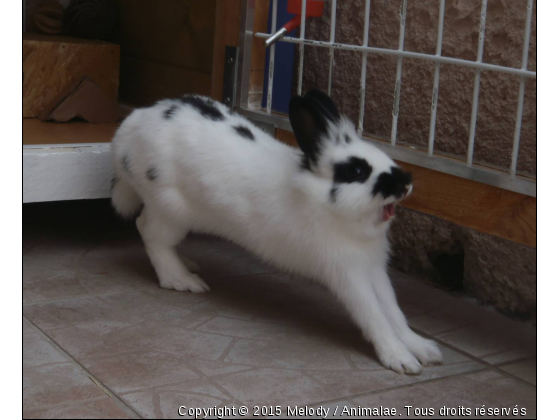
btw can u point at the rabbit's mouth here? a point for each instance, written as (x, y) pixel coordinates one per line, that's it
(388, 211)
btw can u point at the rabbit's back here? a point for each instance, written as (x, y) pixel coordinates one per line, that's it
(196, 150)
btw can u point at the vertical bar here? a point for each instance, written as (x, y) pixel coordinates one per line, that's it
(435, 91)
(476, 90)
(301, 46)
(397, 96)
(521, 96)
(246, 27)
(271, 58)
(364, 68)
(331, 39)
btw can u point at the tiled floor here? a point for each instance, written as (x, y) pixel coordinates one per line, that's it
(101, 340)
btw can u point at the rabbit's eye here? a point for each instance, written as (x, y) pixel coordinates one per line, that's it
(353, 170)
(356, 172)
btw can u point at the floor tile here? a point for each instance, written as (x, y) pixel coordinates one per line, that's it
(123, 373)
(26, 327)
(165, 401)
(89, 313)
(378, 378)
(472, 328)
(259, 337)
(56, 384)
(526, 370)
(99, 408)
(471, 391)
(38, 350)
(274, 387)
(310, 355)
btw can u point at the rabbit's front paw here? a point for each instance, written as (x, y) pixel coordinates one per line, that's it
(184, 283)
(399, 359)
(426, 351)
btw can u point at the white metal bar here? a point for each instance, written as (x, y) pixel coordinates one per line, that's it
(521, 96)
(435, 92)
(417, 157)
(271, 58)
(301, 46)
(406, 54)
(397, 96)
(476, 91)
(331, 39)
(364, 68)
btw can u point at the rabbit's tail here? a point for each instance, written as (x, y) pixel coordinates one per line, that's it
(125, 199)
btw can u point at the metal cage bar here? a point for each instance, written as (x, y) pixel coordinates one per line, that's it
(476, 90)
(470, 170)
(365, 41)
(521, 96)
(407, 54)
(301, 46)
(398, 81)
(435, 91)
(271, 58)
(331, 39)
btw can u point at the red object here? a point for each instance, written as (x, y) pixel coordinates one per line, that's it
(314, 8)
(293, 24)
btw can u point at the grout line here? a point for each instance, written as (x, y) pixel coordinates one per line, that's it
(87, 295)
(105, 389)
(394, 388)
(476, 359)
(228, 349)
(520, 360)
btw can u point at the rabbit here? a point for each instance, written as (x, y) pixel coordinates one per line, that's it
(322, 212)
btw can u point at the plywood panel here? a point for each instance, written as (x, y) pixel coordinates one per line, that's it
(487, 209)
(174, 32)
(37, 132)
(147, 82)
(50, 63)
(481, 207)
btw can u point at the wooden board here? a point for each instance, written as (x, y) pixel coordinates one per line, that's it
(166, 49)
(50, 63)
(67, 173)
(176, 33)
(37, 132)
(477, 206)
(227, 19)
(148, 81)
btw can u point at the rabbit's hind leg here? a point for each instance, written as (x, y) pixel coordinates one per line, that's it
(161, 235)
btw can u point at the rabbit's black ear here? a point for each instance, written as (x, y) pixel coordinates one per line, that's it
(324, 103)
(310, 116)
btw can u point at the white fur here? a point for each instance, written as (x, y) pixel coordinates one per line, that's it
(255, 193)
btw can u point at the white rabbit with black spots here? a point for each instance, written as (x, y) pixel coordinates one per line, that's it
(321, 212)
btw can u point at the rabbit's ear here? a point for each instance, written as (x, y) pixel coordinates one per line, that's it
(310, 116)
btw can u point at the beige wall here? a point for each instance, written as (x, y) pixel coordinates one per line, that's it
(498, 92)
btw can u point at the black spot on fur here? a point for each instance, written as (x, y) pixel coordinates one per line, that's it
(353, 170)
(125, 164)
(205, 106)
(393, 183)
(168, 113)
(151, 174)
(347, 139)
(114, 181)
(244, 132)
(334, 194)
